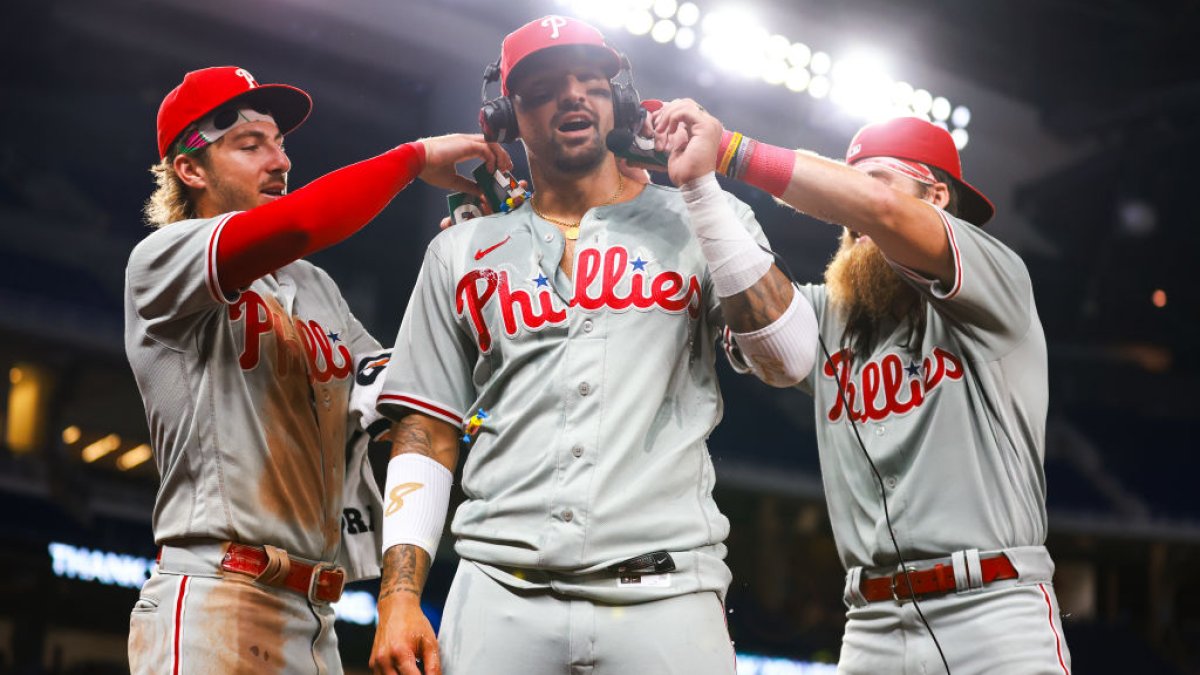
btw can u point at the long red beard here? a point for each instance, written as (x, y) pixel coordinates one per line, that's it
(861, 283)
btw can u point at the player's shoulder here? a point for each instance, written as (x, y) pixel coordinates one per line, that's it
(669, 194)
(193, 231)
(449, 244)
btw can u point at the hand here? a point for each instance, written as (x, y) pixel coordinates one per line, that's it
(443, 152)
(689, 136)
(404, 635)
(486, 206)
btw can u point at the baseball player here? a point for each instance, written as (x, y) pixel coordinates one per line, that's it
(572, 342)
(253, 372)
(937, 361)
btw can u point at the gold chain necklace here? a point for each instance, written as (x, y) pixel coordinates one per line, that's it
(572, 229)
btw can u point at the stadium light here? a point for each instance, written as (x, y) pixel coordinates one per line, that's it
(685, 37)
(97, 449)
(737, 43)
(135, 457)
(71, 434)
(862, 88)
(687, 14)
(663, 31)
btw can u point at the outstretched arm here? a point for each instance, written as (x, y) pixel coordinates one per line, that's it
(338, 204)
(905, 228)
(424, 454)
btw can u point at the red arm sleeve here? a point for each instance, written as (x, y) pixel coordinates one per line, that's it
(320, 214)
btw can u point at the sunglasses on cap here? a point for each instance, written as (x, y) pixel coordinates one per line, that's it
(210, 128)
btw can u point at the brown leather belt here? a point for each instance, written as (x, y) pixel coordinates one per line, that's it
(933, 581)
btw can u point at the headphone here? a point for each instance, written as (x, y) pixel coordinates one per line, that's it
(498, 119)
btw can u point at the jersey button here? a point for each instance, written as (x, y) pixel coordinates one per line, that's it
(890, 482)
(549, 237)
(879, 430)
(577, 451)
(584, 388)
(587, 326)
(568, 515)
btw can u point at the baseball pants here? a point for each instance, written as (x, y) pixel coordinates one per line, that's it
(191, 618)
(1009, 627)
(489, 628)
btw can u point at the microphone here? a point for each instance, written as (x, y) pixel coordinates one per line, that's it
(628, 145)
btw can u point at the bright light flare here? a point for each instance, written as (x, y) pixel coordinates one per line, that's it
(639, 22)
(663, 31)
(100, 448)
(687, 14)
(735, 42)
(862, 88)
(134, 457)
(685, 37)
(71, 434)
(961, 116)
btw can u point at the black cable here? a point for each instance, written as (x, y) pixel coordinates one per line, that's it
(862, 446)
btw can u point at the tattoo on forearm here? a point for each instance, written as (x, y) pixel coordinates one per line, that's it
(409, 435)
(405, 568)
(760, 305)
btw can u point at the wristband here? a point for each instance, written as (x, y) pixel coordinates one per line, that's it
(416, 498)
(762, 165)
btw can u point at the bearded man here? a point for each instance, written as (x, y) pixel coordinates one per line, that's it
(931, 394)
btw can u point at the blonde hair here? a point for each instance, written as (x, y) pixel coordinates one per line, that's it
(171, 201)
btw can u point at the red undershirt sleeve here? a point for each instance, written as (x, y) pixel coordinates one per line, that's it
(320, 214)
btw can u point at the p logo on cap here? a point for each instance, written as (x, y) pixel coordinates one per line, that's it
(203, 91)
(553, 32)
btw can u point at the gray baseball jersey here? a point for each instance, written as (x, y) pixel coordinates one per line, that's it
(600, 391)
(246, 395)
(955, 427)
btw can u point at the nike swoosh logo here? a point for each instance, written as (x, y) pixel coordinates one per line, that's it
(484, 251)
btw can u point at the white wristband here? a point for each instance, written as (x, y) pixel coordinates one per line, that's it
(783, 352)
(734, 259)
(416, 498)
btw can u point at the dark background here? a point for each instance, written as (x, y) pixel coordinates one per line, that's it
(1085, 131)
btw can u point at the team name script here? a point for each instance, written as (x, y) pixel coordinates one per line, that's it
(325, 362)
(885, 385)
(597, 276)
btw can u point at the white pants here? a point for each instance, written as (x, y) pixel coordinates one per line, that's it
(1009, 627)
(491, 629)
(191, 618)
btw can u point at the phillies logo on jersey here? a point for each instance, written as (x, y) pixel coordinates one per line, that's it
(325, 361)
(886, 386)
(597, 276)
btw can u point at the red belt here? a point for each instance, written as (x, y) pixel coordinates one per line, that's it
(933, 581)
(322, 582)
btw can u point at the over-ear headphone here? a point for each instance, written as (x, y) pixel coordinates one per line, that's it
(498, 119)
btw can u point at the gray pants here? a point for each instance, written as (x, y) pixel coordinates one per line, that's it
(193, 618)
(1008, 627)
(491, 629)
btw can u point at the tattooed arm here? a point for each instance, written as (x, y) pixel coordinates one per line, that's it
(760, 305)
(405, 635)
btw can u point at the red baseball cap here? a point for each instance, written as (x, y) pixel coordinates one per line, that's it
(916, 140)
(549, 35)
(203, 91)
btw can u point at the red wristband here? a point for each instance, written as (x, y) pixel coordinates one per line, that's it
(764, 166)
